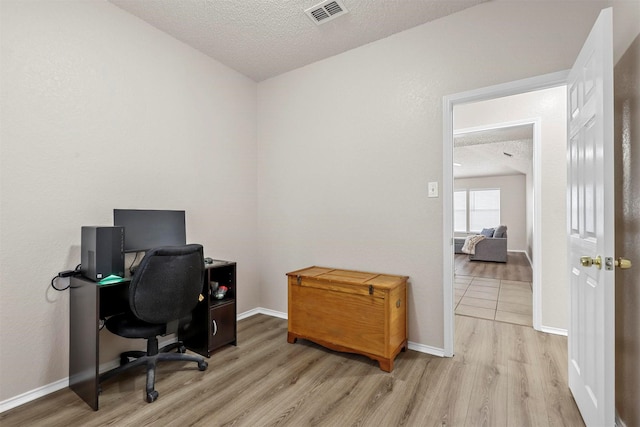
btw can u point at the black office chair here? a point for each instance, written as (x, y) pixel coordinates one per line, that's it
(164, 290)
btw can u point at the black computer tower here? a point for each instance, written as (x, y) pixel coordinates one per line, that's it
(102, 252)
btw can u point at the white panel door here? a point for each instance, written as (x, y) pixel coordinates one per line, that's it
(591, 226)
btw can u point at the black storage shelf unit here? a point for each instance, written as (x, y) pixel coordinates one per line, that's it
(214, 320)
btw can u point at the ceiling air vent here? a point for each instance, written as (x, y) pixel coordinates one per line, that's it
(326, 11)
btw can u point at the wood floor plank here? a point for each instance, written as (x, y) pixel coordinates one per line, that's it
(526, 404)
(483, 347)
(516, 268)
(501, 375)
(561, 407)
(487, 406)
(449, 403)
(418, 384)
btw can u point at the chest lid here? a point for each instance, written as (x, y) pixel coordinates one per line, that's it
(350, 277)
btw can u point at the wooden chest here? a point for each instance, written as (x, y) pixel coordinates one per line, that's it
(350, 311)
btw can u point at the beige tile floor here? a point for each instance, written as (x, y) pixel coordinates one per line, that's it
(503, 300)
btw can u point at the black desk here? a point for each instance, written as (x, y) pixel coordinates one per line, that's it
(88, 302)
(213, 325)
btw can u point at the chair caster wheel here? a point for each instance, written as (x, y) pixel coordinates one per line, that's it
(152, 396)
(182, 349)
(124, 360)
(203, 365)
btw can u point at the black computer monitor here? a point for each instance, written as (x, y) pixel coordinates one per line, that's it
(148, 229)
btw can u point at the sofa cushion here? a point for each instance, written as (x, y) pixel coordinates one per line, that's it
(487, 232)
(500, 232)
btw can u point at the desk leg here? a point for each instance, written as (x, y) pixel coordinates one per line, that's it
(84, 340)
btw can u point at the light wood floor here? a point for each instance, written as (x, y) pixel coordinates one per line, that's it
(516, 268)
(501, 375)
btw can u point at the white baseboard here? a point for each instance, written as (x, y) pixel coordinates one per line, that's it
(555, 331)
(37, 393)
(525, 254)
(249, 313)
(60, 384)
(261, 310)
(435, 351)
(34, 394)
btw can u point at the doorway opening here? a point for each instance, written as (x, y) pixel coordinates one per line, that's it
(493, 195)
(487, 104)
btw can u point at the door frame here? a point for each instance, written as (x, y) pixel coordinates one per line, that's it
(545, 81)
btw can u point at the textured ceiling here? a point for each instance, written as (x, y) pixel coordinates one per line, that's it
(481, 153)
(264, 38)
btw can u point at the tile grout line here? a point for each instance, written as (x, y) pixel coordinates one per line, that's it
(495, 310)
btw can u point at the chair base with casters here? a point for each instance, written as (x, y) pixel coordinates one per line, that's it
(164, 291)
(130, 327)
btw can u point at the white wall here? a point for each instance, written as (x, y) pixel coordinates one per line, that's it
(348, 145)
(549, 107)
(100, 110)
(513, 204)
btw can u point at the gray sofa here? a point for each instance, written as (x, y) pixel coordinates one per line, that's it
(493, 248)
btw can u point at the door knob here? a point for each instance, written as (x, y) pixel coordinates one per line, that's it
(587, 261)
(610, 263)
(620, 262)
(623, 263)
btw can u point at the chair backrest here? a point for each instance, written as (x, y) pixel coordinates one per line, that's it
(167, 283)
